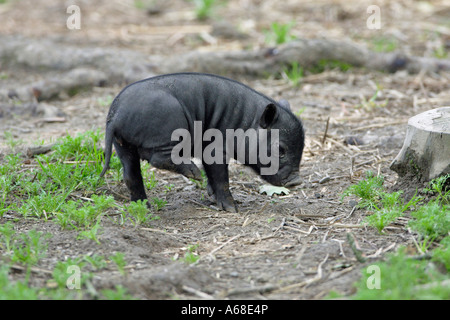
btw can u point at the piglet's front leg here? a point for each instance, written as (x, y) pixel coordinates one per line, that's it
(218, 186)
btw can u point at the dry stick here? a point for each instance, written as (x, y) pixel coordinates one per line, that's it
(326, 131)
(197, 293)
(380, 125)
(350, 151)
(259, 289)
(306, 282)
(326, 225)
(283, 221)
(219, 247)
(203, 205)
(358, 254)
(32, 269)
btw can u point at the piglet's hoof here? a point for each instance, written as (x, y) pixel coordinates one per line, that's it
(227, 205)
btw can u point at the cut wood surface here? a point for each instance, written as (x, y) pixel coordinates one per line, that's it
(426, 149)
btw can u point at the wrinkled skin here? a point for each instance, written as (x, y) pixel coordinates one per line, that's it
(144, 115)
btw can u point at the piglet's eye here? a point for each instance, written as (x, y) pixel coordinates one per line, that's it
(282, 151)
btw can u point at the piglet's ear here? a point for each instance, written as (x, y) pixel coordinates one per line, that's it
(269, 116)
(284, 104)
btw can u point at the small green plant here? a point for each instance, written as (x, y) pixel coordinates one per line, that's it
(294, 74)
(169, 187)
(84, 215)
(372, 103)
(120, 293)
(386, 207)
(7, 233)
(440, 52)
(190, 256)
(300, 111)
(441, 187)
(11, 141)
(61, 275)
(326, 64)
(368, 190)
(43, 205)
(139, 4)
(150, 179)
(3, 75)
(204, 8)
(119, 260)
(29, 248)
(18, 290)
(279, 33)
(441, 254)
(203, 183)
(97, 261)
(140, 212)
(391, 207)
(159, 203)
(431, 222)
(384, 44)
(90, 233)
(105, 101)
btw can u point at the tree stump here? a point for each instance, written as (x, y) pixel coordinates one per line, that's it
(425, 154)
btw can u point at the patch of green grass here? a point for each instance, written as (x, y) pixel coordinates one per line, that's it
(141, 4)
(386, 207)
(29, 248)
(11, 141)
(15, 290)
(440, 52)
(139, 212)
(384, 44)
(203, 183)
(205, 8)
(63, 270)
(97, 261)
(327, 64)
(105, 101)
(441, 255)
(368, 190)
(190, 256)
(159, 203)
(78, 147)
(148, 176)
(373, 102)
(441, 187)
(279, 33)
(294, 74)
(402, 277)
(7, 233)
(60, 187)
(119, 260)
(431, 221)
(391, 208)
(119, 293)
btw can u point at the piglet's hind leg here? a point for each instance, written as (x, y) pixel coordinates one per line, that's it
(132, 176)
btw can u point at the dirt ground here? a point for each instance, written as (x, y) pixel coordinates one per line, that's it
(280, 247)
